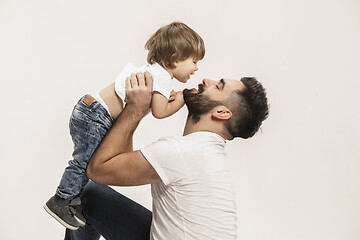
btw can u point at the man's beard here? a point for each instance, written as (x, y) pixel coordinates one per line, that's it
(198, 104)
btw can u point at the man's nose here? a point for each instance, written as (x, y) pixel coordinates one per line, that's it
(208, 82)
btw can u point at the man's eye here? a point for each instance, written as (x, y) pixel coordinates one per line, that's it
(217, 86)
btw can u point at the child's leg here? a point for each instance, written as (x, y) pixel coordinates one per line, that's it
(89, 123)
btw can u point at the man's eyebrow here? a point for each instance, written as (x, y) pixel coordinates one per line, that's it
(222, 82)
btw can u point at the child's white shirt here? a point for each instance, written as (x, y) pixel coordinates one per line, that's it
(162, 81)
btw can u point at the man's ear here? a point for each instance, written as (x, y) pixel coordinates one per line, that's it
(222, 113)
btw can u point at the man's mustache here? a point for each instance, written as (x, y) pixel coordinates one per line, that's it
(201, 88)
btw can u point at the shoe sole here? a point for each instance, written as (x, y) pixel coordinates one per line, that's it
(82, 223)
(59, 219)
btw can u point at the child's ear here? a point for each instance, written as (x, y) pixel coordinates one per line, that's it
(222, 113)
(174, 63)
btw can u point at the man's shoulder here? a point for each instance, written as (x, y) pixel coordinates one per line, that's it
(176, 140)
(165, 143)
(192, 139)
(173, 145)
(170, 141)
(199, 142)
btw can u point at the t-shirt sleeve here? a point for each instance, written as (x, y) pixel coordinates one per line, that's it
(163, 84)
(166, 159)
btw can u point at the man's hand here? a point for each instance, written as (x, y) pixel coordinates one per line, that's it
(139, 91)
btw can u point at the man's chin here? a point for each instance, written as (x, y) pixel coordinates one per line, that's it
(188, 95)
(188, 91)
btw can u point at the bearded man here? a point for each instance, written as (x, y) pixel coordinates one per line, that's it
(190, 186)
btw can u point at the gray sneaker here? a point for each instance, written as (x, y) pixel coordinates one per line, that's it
(60, 209)
(76, 210)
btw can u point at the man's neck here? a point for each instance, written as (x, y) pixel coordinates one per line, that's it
(203, 126)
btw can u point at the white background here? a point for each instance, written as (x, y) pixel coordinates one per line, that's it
(298, 179)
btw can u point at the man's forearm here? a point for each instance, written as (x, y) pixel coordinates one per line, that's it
(119, 138)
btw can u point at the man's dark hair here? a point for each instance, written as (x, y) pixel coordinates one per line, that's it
(249, 108)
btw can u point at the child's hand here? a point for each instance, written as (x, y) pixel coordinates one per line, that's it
(178, 96)
(172, 96)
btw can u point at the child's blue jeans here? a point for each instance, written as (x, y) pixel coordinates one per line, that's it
(88, 125)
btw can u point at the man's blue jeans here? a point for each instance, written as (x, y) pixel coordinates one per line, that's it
(112, 215)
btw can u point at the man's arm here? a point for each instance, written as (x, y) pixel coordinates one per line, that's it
(111, 164)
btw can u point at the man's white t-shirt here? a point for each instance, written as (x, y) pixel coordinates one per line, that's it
(195, 199)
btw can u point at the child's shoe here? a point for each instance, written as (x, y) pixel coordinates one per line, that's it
(60, 209)
(76, 210)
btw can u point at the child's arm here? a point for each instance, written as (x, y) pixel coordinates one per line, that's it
(161, 107)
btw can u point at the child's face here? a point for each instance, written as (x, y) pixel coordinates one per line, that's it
(183, 69)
